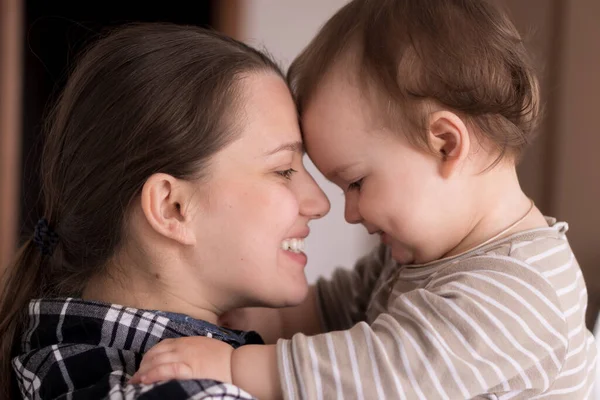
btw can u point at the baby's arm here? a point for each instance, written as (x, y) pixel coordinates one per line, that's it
(478, 327)
(185, 358)
(252, 368)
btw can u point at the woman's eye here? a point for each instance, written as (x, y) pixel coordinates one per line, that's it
(287, 174)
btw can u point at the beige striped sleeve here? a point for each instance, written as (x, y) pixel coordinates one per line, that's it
(481, 326)
(343, 298)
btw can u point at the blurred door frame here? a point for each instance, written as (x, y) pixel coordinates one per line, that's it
(11, 17)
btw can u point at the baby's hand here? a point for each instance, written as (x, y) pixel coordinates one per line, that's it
(194, 357)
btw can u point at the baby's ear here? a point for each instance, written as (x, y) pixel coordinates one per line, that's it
(163, 198)
(449, 138)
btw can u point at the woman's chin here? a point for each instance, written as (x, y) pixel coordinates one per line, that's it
(287, 296)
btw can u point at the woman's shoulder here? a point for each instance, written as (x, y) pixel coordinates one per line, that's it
(90, 349)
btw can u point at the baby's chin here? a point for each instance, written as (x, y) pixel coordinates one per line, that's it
(402, 255)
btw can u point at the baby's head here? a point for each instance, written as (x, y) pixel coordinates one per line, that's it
(419, 111)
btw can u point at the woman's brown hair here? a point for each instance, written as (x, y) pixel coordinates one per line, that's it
(146, 98)
(464, 55)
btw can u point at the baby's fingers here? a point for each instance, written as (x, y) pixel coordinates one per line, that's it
(164, 346)
(150, 362)
(163, 372)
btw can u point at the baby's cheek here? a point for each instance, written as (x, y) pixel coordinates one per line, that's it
(373, 209)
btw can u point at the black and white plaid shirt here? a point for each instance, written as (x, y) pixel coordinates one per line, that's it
(78, 349)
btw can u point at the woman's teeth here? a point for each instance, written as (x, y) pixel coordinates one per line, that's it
(293, 245)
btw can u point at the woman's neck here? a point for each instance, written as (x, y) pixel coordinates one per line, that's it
(147, 290)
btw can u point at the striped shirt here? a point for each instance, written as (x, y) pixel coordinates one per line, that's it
(503, 321)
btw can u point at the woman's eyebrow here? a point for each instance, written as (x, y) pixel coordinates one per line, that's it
(296, 147)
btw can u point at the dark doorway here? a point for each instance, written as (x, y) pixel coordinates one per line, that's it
(55, 32)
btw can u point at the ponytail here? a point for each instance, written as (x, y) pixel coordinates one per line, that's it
(21, 282)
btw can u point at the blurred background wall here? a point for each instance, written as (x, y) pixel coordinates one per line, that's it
(561, 171)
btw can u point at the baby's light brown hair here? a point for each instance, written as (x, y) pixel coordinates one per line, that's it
(462, 55)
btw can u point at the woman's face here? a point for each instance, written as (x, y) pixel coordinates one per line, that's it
(255, 206)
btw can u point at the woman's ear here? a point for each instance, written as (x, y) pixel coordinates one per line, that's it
(163, 198)
(449, 137)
